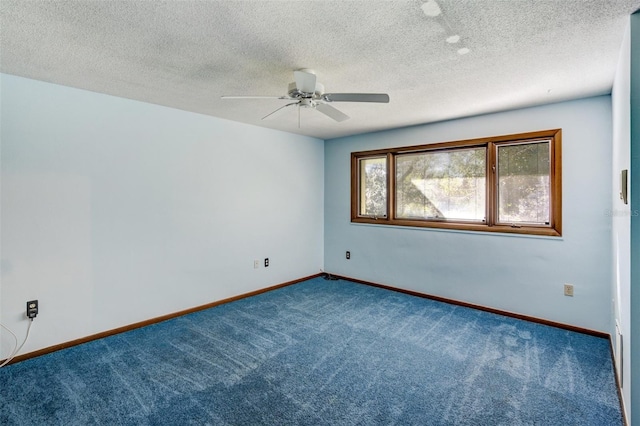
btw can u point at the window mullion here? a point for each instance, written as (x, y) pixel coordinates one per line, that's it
(492, 184)
(391, 187)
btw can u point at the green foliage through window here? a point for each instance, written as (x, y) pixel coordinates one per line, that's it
(373, 187)
(441, 184)
(523, 179)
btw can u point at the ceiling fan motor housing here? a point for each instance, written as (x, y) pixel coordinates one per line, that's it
(295, 93)
(307, 103)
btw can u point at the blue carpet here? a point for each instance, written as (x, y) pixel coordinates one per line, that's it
(322, 353)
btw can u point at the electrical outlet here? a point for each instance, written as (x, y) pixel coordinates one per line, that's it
(348, 255)
(266, 262)
(568, 290)
(32, 309)
(256, 264)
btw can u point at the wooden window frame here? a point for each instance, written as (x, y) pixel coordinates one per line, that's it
(553, 229)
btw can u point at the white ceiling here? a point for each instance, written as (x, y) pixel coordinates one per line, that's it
(186, 54)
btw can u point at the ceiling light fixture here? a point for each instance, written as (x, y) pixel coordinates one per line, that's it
(431, 8)
(463, 51)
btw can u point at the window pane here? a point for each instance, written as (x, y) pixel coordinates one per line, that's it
(523, 179)
(441, 185)
(373, 187)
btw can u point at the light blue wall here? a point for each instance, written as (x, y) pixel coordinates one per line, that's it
(513, 273)
(116, 211)
(634, 303)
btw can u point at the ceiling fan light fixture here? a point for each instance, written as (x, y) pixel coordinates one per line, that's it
(305, 80)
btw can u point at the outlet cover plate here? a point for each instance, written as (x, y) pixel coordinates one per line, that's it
(32, 309)
(568, 290)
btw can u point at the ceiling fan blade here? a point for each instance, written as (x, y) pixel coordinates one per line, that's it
(255, 97)
(305, 81)
(284, 106)
(332, 112)
(356, 97)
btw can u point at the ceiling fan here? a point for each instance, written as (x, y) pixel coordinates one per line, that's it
(306, 92)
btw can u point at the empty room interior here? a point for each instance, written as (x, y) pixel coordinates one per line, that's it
(320, 212)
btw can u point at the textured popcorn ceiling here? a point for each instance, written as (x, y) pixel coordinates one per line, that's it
(186, 54)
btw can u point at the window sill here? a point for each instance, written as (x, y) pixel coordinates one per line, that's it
(458, 226)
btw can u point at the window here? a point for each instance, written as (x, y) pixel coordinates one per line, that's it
(446, 184)
(373, 187)
(523, 182)
(502, 184)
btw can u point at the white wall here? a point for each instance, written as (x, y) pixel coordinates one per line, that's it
(621, 216)
(514, 273)
(116, 211)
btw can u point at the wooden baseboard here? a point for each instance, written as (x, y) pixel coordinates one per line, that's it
(155, 320)
(481, 308)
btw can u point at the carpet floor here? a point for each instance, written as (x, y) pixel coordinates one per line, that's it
(322, 353)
